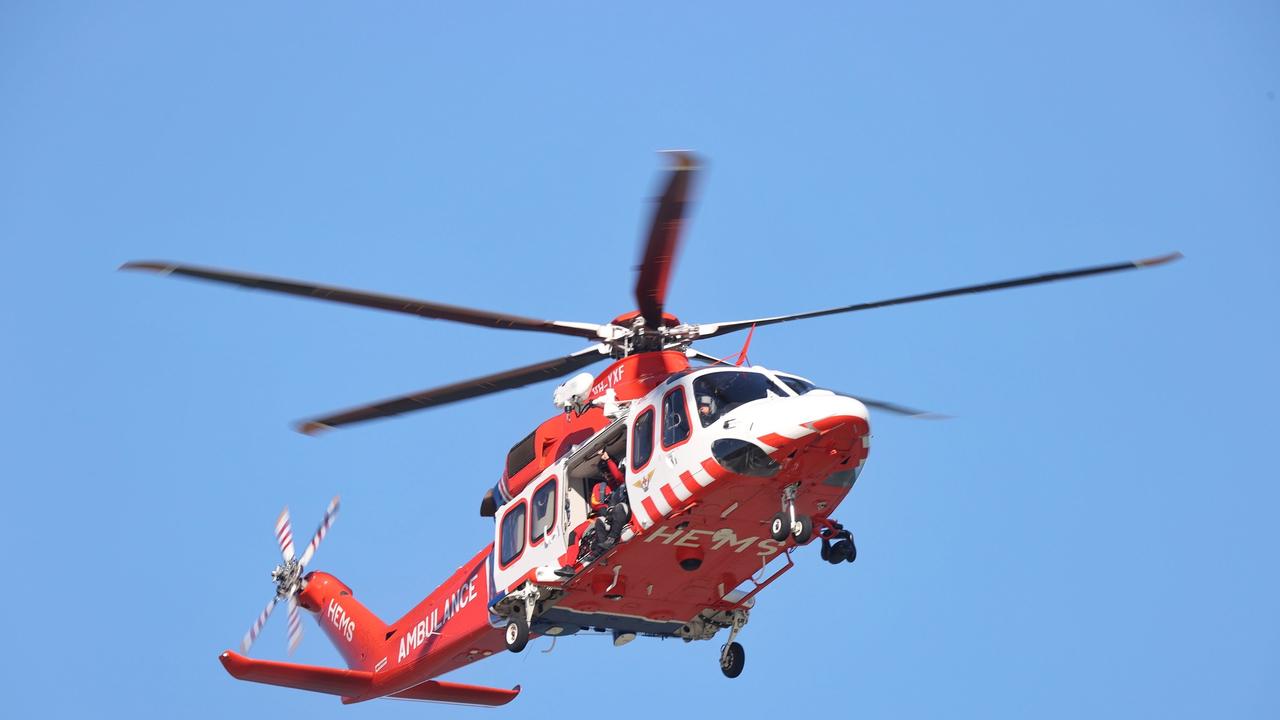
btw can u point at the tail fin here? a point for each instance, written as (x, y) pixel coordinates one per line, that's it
(352, 628)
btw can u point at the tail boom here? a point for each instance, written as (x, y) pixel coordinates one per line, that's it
(451, 628)
(353, 629)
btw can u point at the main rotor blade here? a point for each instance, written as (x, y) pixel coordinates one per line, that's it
(411, 306)
(284, 535)
(475, 387)
(330, 514)
(715, 329)
(664, 239)
(900, 409)
(256, 628)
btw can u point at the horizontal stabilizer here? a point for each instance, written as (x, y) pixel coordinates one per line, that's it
(439, 691)
(334, 681)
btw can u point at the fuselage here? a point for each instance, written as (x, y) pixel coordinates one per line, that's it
(708, 454)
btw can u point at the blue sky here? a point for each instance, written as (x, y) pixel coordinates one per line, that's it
(1094, 534)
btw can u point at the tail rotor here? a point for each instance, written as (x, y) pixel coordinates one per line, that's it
(289, 576)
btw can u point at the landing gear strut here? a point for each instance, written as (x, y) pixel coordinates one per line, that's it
(787, 523)
(732, 656)
(519, 613)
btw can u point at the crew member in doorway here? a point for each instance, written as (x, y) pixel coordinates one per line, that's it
(606, 502)
(613, 516)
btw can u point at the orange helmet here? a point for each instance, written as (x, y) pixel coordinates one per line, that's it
(599, 496)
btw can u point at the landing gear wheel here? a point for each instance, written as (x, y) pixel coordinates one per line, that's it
(517, 635)
(803, 529)
(732, 659)
(780, 527)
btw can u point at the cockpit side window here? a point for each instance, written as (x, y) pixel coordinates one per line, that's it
(719, 392)
(675, 419)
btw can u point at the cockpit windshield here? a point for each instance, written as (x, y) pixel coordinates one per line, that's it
(717, 393)
(798, 384)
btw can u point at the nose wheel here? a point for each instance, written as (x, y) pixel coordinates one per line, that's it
(788, 523)
(732, 657)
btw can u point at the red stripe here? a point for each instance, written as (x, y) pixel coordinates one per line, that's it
(652, 509)
(638, 513)
(827, 423)
(714, 470)
(670, 496)
(690, 484)
(774, 440)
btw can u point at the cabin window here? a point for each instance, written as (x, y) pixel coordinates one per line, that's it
(642, 440)
(544, 510)
(720, 392)
(675, 419)
(512, 540)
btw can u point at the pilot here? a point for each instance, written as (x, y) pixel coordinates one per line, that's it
(706, 407)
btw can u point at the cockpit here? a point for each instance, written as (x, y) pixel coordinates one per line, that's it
(717, 393)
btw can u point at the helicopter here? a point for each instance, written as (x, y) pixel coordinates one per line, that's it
(723, 470)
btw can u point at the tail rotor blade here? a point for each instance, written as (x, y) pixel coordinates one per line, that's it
(295, 624)
(254, 631)
(284, 535)
(330, 514)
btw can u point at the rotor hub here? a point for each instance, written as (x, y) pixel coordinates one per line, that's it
(628, 319)
(629, 334)
(288, 578)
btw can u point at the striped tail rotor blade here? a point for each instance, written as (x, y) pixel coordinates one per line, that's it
(295, 624)
(330, 514)
(256, 630)
(284, 535)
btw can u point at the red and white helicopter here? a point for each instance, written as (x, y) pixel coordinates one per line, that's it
(728, 468)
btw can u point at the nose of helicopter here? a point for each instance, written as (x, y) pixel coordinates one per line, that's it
(829, 420)
(826, 440)
(813, 434)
